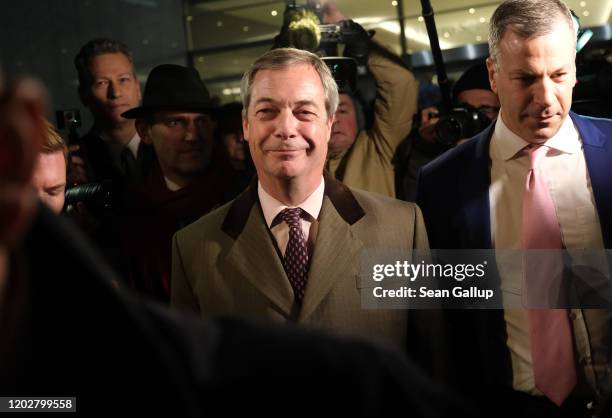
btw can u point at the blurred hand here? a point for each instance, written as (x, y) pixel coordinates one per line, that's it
(77, 172)
(429, 118)
(331, 12)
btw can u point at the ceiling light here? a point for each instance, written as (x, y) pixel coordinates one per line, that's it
(472, 10)
(189, 18)
(245, 28)
(420, 18)
(479, 38)
(219, 23)
(273, 12)
(482, 20)
(227, 92)
(235, 90)
(585, 13)
(394, 3)
(446, 35)
(583, 4)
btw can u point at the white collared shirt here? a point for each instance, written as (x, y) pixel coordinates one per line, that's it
(271, 207)
(134, 144)
(115, 149)
(569, 185)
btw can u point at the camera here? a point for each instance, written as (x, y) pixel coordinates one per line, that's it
(344, 71)
(68, 119)
(460, 123)
(97, 197)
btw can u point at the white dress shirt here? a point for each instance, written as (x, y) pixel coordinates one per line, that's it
(571, 191)
(272, 207)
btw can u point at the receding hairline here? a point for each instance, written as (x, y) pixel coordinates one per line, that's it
(287, 68)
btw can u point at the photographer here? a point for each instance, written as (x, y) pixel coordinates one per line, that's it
(49, 176)
(476, 107)
(361, 156)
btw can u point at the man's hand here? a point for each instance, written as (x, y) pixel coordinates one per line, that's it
(429, 118)
(331, 12)
(78, 173)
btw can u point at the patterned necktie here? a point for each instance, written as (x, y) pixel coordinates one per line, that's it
(549, 329)
(296, 260)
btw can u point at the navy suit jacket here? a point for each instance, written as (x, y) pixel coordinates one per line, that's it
(453, 194)
(453, 190)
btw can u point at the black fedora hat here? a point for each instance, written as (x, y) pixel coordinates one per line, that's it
(172, 87)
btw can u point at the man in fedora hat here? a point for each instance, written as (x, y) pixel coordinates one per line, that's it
(186, 183)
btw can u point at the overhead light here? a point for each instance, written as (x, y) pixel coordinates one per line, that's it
(227, 92)
(583, 4)
(472, 10)
(245, 28)
(420, 18)
(394, 3)
(585, 13)
(446, 35)
(478, 38)
(189, 18)
(273, 12)
(482, 20)
(235, 90)
(219, 23)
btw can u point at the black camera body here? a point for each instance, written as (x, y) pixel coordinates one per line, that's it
(460, 123)
(98, 198)
(344, 71)
(68, 119)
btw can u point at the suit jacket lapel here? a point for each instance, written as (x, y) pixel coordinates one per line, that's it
(254, 255)
(336, 256)
(475, 193)
(598, 156)
(335, 251)
(254, 251)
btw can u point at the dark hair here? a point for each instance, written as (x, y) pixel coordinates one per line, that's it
(229, 119)
(93, 48)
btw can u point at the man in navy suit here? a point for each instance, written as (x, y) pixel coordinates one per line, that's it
(473, 197)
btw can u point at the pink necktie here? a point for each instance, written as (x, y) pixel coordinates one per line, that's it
(549, 329)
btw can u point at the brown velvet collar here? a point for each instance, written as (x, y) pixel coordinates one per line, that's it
(338, 193)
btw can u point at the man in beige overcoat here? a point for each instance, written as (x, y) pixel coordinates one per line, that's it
(288, 249)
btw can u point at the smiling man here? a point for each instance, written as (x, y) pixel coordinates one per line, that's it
(538, 178)
(288, 248)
